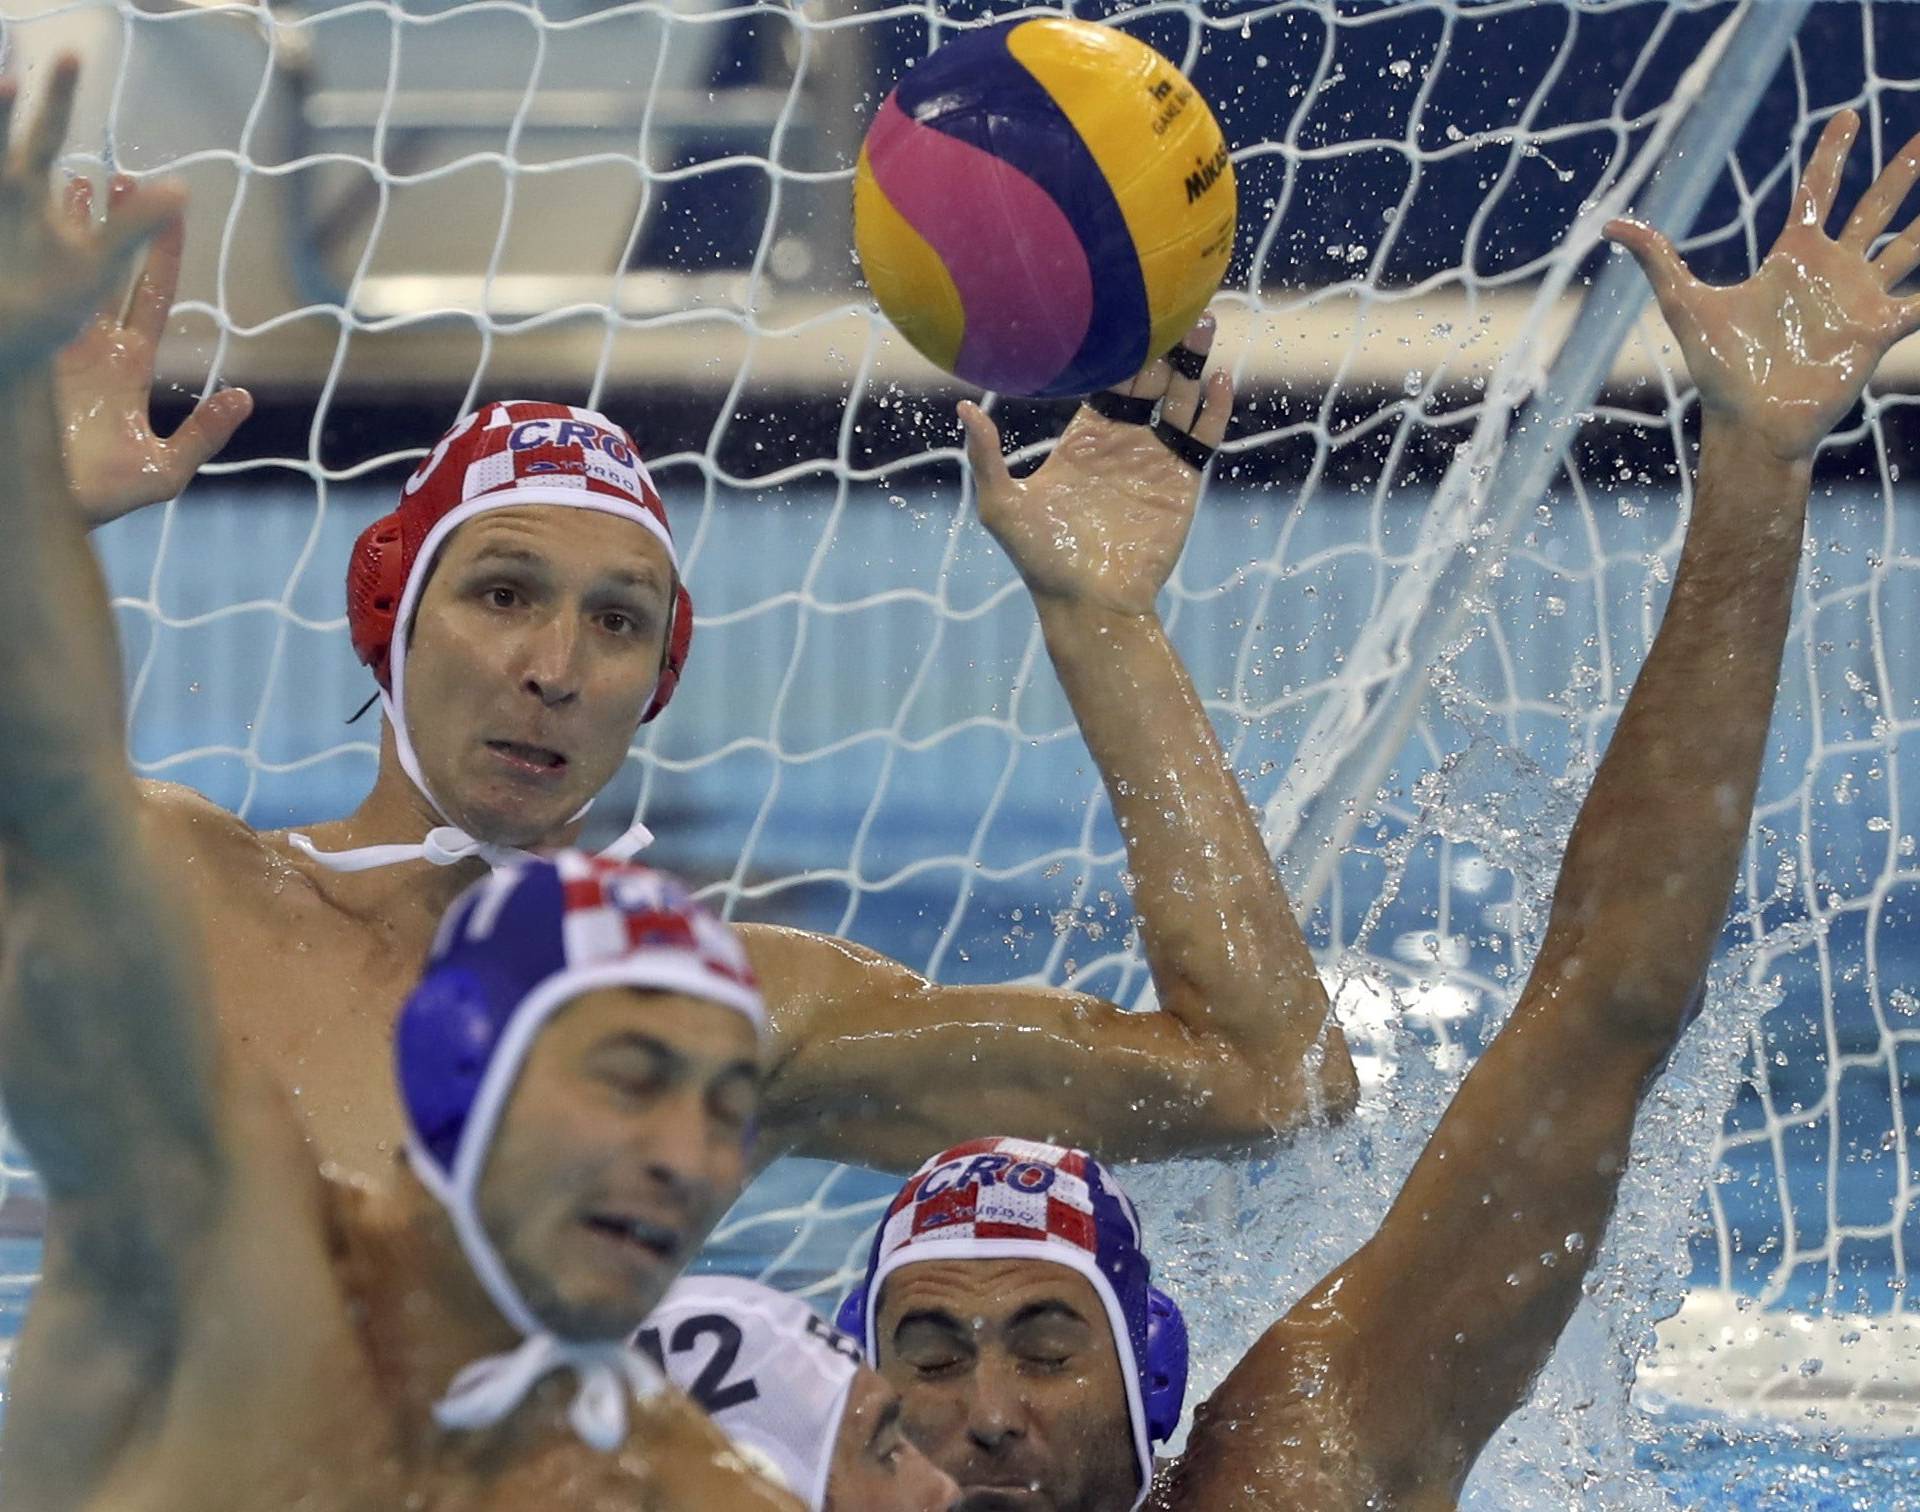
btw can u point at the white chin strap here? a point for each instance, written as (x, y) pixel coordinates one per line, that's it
(449, 845)
(445, 844)
(488, 1390)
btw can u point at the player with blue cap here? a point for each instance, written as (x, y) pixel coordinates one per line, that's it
(515, 949)
(1117, 1344)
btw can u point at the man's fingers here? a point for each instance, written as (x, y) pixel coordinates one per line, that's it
(1215, 410)
(77, 201)
(1185, 365)
(138, 214)
(1899, 257)
(1658, 258)
(47, 130)
(205, 432)
(1877, 206)
(1150, 383)
(983, 449)
(153, 290)
(1819, 185)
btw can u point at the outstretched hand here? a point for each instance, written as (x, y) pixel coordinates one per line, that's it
(1787, 352)
(58, 272)
(103, 382)
(1103, 520)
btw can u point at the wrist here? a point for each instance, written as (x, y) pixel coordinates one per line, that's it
(1732, 447)
(1761, 444)
(1074, 613)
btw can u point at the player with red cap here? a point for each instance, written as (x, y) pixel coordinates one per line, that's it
(523, 611)
(513, 455)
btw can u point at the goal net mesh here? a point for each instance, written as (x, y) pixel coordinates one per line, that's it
(403, 209)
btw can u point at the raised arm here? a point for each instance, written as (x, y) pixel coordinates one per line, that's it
(1241, 1045)
(106, 1065)
(1431, 1335)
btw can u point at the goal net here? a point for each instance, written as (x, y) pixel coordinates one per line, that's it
(1423, 578)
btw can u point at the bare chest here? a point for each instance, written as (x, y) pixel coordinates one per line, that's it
(311, 995)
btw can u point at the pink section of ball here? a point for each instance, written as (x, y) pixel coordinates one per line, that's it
(1019, 269)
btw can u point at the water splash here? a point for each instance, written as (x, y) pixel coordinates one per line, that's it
(1261, 1232)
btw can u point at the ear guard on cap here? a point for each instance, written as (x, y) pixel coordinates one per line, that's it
(1163, 1381)
(674, 656)
(376, 578)
(851, 1319)
(1163, 1377)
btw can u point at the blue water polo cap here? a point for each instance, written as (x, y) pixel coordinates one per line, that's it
(999, 1199)
(513, 949)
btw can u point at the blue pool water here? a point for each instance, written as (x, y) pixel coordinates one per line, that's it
(1704, 1467)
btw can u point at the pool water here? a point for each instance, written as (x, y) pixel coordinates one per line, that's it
(1707, 1466)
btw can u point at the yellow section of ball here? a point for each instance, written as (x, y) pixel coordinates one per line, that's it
(1162, 152)
(907, 277)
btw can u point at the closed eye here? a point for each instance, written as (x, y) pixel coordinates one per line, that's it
(637, 1088)
(735, 1097)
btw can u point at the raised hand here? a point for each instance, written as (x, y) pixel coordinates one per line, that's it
(1786, 353)
(1103, 520)
(103, 381)
(57, 272)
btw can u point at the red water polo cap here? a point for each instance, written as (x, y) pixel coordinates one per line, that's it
(509, 454)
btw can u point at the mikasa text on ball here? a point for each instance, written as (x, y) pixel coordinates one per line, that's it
(1043, 207)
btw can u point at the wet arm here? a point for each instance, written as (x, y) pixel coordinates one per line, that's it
(1241, 1044)
(106, 1058)
(1458, 1299)
(890, 1066)
(106, 1064)
(1395, 1370)
(875, 1064)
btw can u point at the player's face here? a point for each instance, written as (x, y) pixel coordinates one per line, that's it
(876, 1467)
(1010, 1380)
(535, 647)
(622, 1144)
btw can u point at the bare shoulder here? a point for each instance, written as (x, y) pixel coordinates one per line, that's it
(1295, 1424)
(102, 1363)
(212, 849)
(182, 824)
(694, 1465)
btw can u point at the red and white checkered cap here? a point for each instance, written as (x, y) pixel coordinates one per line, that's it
(644, 926)
(505, 455)
(996, 1189)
